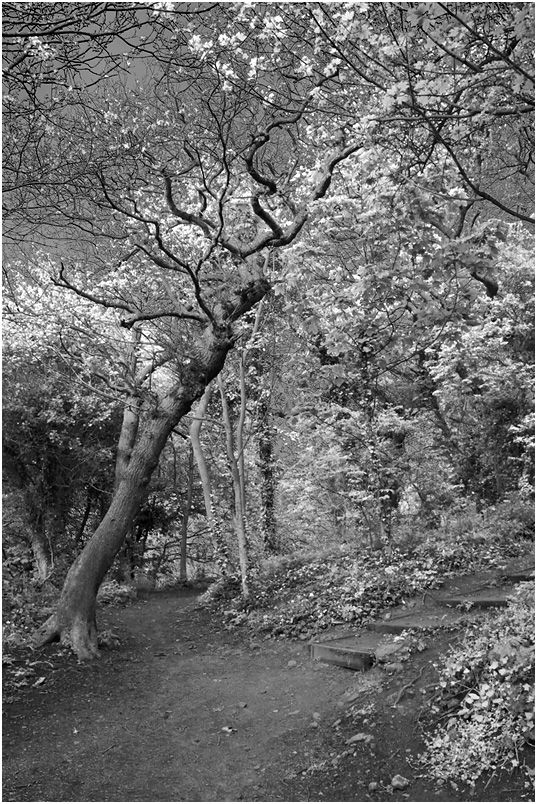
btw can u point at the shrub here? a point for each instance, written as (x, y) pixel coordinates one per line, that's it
(113, 593)
(486, 696)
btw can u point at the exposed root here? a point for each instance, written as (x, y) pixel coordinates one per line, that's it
(47, 633)
(80, 635)
(406, 686)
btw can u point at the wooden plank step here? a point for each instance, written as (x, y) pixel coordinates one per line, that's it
(423, 620)
(357, 652)
(519, 569)
(481, 600)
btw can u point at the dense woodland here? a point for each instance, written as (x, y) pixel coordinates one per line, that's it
(268, 302)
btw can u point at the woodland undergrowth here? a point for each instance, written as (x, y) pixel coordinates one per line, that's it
(484, 712)
(307, 592)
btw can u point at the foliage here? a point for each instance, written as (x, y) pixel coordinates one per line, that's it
(306, 592)
(114, 593)
(23, 606)
(487, 695)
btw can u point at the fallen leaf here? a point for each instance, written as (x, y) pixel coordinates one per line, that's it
(361, 737)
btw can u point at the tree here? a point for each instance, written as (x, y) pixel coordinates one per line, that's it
(154, 217)
(381, 287)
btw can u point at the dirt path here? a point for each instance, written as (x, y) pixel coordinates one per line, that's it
(186, 711)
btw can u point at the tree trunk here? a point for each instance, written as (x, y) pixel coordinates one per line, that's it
(221, 549)
(40, 548)
(85, 517)
(127, 437)
(266, 468)
(241, 465)
(186, 516)
(240, 528)
(74, 622)
(126, 442)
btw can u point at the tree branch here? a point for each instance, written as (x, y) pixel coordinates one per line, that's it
(62, 282)
(127, 323)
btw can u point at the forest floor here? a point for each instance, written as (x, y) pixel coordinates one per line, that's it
(184, 710)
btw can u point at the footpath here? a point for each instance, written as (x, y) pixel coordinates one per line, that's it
(184, 710)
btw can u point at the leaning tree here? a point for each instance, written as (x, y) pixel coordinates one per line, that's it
(165, 195)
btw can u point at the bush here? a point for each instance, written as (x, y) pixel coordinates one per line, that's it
(486, 696)
(24, 609)
(113, 593)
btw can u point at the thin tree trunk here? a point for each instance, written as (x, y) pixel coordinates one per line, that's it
(186, 516)
(85, 517)
(221, 548)
(240, 528)
(40, 548)
(240, 435)
(266, 468)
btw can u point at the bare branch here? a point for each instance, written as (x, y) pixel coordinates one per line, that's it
(196, 220)
(62, 282)
(129, 322)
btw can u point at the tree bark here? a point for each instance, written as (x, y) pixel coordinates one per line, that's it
(126, 442)
(239, 517)
(127, 438)
(186, 516)
(40, 548)
(220, 546)
(85, 517)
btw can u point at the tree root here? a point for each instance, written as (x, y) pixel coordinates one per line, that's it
(47, 633)
(406, 686)
(79, 635)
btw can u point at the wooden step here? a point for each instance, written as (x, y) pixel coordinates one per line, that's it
(424, 620)
(519, 569)
(480, 600)
(356, 652)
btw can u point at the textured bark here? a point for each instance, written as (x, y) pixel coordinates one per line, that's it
(126, 443)
(127, 438)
